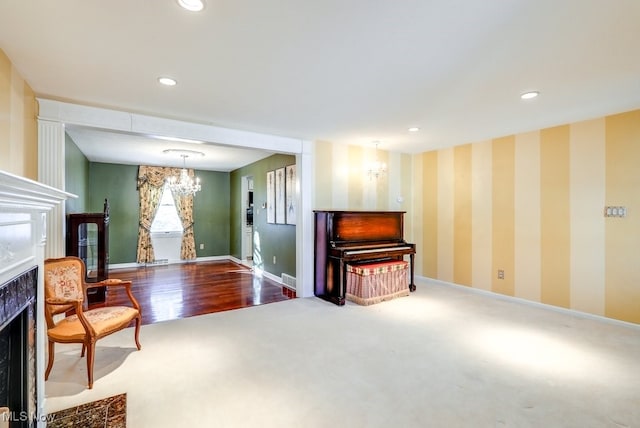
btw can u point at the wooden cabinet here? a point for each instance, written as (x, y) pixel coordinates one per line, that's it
(88, 238)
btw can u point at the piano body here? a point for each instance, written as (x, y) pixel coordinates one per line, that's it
(343, 237)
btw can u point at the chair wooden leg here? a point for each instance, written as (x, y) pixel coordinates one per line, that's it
(91, 350)
(84, 347)
(51, 356)
(138, 322)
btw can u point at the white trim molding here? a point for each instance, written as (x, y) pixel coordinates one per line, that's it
(56, 114)
(424, 281)
(51, 171)
(24, 206)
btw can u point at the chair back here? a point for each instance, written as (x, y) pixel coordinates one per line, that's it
(63, 279)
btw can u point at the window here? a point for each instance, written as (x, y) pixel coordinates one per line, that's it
(166, 219)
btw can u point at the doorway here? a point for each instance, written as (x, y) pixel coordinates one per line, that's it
(246, 221)
(54, 115)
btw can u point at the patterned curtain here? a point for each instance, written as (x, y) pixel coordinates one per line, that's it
(150, 183)
(184, 205)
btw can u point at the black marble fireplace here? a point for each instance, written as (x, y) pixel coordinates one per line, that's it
(18, 350)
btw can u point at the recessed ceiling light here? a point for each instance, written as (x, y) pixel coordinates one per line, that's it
(413, 129)
(192, 5)
(167, 81)
(529, 95)
(183, 152)
(177, 139)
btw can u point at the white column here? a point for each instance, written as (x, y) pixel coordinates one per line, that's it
(305, 223)
(51, 170)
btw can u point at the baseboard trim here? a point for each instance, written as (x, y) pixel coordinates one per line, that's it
(124, 266)
(238, 261)
(171, 262)
(522, 301)
(258, 272)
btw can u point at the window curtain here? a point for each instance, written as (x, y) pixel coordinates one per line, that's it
(184, 206)
(150, 184)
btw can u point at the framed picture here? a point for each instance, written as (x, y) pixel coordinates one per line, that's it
(280, 196)
(290, 190)
(271, 197)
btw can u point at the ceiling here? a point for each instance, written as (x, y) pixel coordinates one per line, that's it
(350, 72)
(128, 149)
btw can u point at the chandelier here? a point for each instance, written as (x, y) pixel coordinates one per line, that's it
(376, 169)
(183, 185)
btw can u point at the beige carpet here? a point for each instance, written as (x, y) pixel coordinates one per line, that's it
(442, 357)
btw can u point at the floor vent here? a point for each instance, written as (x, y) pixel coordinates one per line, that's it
(289, 281)
(160, 262)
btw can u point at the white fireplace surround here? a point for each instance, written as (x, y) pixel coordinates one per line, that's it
(24, 205)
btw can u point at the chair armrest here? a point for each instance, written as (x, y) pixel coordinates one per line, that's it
(61, 301)
(111, 282)
(114, 282)
(67, 304)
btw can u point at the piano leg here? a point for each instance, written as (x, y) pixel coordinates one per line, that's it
(412, 285)
(343, 284)
(332, 287)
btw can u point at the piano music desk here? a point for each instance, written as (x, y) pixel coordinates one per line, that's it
(370, 283)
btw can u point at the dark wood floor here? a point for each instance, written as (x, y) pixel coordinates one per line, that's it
(182, 290)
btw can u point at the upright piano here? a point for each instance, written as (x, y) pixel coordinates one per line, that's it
(343, 237)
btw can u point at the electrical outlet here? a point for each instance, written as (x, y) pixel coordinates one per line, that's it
(274, 260)
(202, 246)
(500, 274)
(610, 211)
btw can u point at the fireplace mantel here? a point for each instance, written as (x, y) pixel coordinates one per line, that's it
(24, 205)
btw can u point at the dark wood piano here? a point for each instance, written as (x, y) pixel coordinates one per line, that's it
(343, 237)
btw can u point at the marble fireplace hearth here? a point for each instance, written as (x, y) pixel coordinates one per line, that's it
(17, 342)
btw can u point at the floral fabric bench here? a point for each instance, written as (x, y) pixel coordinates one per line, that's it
(376, 282)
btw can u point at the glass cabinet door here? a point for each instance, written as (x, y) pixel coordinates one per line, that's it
(88, 249)
(88, 239)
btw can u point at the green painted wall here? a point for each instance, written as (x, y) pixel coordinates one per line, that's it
(76, 177)
(117, 183)
(211, 208)
(95, 181)
(272, 239)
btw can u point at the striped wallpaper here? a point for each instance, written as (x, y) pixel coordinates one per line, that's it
(529, 204)
(18, 126)
(532, 205)
(342, 183)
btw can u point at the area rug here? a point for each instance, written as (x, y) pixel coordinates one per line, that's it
(106, 413)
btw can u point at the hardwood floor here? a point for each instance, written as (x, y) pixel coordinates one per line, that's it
(183, 290)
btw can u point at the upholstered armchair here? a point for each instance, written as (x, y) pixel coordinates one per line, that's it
(65, 291)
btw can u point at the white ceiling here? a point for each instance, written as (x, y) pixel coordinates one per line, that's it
(349, 72)
(129, 149)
